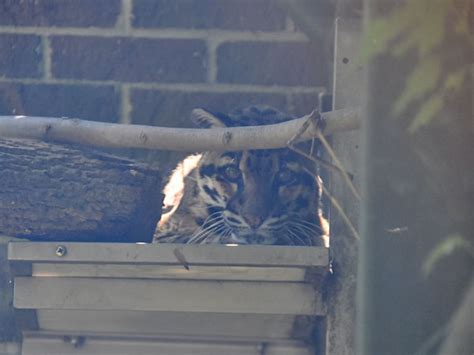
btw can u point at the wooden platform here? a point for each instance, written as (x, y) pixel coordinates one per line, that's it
(88, 298)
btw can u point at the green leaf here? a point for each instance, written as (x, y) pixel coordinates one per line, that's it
(452, 243)
(423, 28)
(379, 33)
(421, 80)
(382, 32)
(431, 30)
(428, 110)
(454, 80)
(462, 13)
(404, 45)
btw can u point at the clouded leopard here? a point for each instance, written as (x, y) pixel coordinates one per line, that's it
(248, 197)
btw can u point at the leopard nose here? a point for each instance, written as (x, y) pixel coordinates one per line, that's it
(253, 221)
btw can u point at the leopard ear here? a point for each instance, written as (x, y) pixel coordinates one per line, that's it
(204, 119)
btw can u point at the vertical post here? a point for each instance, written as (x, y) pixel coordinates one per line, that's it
(347, 89)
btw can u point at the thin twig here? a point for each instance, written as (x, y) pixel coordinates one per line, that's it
(319, 125)
(320, 161)
(314, 116)
(339, 209)
(347, 178)
(343, 215)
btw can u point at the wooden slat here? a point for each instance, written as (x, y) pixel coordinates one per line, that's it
(9, 348)
(34, 345)
(283, 256)
(166, 295)
(175, 324)
(235, 273)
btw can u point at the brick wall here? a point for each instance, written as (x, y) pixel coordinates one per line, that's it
(152, 61)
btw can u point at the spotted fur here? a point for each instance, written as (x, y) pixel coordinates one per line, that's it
(247, 197)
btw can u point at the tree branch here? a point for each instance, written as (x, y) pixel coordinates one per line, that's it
(178, 139)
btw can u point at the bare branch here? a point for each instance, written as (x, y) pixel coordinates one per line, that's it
(179, 139)
(314, 117)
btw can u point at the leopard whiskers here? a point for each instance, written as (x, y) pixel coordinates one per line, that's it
(295, 237)
(310, 224)
(303, 231)
(303, 235)
(212, 217)
(216, 235)
(287, 239)
(209, 220)
(310, 227)
(202, 234)
(212, 235)
(212, 221)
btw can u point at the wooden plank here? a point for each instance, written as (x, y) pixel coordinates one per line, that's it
(265, 327)
(167, 295)
(9, 348)
(283, 256)
(235, 273)
(35, 345)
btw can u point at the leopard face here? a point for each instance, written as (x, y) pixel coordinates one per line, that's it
(248, 197)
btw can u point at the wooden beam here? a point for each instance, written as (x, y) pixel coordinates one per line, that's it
(216, 326)
(59, 345)
(167, 295)
(279, 256)
(235, 273)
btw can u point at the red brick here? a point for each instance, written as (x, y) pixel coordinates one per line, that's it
(129, 59)
(20, 56)
(302, 104)
(61, 13)
(173, 108)
(250, 15)
(273, 63)
(98, 103)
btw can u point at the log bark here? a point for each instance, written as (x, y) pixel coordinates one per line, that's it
(58, 192)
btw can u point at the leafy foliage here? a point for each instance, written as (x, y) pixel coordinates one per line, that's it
(426, 28)
(451, 244)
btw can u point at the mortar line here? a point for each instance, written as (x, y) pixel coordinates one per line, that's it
(185, 87)
(126, 16)
(47, 53)
(212, 60)
(289, 102)
(220, 35)
(125, 104)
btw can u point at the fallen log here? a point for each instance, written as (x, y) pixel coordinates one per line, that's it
(73, 193)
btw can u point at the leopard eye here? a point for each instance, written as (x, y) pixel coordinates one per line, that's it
(232, 173)
(286, 177)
